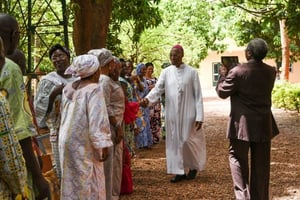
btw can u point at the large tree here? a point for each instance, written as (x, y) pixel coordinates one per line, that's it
(91, 22)
(97, 23)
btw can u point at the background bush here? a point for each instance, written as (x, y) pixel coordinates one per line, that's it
(287, 96)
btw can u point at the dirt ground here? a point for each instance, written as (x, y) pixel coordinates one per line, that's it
(152, 182)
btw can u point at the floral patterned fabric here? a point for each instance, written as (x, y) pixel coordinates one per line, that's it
(84, 131)
(155, 118)
(12, 164)
(144, 138)
(128, 118)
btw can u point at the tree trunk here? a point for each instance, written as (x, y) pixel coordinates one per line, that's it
(285, 64)
(90, 27)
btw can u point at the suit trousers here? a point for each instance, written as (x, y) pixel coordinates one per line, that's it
(258, 188)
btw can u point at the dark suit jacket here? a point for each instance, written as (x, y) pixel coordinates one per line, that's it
(250, 87)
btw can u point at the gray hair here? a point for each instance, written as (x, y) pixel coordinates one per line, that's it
(258, 48)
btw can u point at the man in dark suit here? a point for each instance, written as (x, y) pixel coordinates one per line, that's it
(251, 125)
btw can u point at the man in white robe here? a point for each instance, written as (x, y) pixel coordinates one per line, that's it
(184, 113)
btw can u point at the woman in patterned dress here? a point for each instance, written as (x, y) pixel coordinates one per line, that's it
(84, 134)
(155, 119)
(144, 137)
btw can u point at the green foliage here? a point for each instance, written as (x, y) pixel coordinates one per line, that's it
(193, 24)
(286, 95)
(261, 19)
(46, 20)
(145, 30)
(131, 18)
(247, 29)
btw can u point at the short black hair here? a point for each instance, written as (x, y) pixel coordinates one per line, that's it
(258, 48)
(60, 47)
(149, 64)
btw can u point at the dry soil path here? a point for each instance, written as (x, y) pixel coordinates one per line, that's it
(152, 182)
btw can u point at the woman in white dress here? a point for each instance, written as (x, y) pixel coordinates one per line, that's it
(84, 133)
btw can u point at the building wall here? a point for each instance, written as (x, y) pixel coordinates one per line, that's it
(206, 66)
(294, 76)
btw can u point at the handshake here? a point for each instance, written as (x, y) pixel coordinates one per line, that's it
(144, 102)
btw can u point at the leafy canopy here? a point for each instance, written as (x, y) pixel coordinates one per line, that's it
(261, 18)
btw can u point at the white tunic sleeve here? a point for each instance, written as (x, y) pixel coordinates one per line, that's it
(198, 98)
(99, 127)
(156, 92)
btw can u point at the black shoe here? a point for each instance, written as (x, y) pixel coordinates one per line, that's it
(178, 178)
(192, 174)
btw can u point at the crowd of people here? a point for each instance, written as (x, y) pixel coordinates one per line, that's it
(99, 110)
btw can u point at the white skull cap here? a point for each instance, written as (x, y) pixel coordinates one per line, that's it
(104, 55)
(83, 66)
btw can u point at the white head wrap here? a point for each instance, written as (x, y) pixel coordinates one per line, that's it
(104, 55)
(83, 66)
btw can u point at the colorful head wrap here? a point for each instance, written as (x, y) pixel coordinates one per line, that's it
(104, 56)
(83, 66)
(139, 68)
